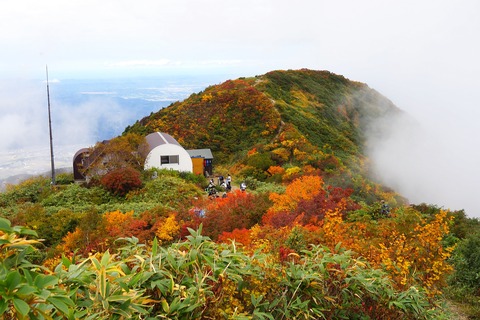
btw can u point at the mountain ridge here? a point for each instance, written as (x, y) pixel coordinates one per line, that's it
(296, 116)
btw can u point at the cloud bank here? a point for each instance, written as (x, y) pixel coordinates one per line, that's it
(25, 148)
(430, 158)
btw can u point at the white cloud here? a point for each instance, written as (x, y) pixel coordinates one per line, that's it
(140, 63)
(24, 147)
(434, 162)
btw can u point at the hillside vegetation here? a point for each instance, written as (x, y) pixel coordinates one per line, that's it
(329, 111)
(313, 237)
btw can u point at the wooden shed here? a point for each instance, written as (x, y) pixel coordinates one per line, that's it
(202, 160)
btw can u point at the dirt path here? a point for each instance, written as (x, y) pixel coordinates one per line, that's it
(456, 311)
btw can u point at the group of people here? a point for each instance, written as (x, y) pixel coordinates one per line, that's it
(225, 184)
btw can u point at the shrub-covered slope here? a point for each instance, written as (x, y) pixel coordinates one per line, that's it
(327, 111)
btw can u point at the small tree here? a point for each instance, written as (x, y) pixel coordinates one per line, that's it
(129, 150)
(121, 181)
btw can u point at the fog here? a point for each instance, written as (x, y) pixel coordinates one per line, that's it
(25, 148)
(431, 154)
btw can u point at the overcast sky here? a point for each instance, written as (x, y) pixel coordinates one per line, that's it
(422, 55)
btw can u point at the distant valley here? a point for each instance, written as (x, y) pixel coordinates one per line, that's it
(99, 108)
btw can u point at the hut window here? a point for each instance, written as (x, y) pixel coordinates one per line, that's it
(169, 159)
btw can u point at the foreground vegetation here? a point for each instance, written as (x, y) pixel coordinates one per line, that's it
(269, 253)
(312, 237)
(197, 279)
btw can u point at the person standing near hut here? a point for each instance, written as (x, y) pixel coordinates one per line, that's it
(229, 182)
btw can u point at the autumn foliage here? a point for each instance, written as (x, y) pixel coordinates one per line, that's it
(238, 210)
(121, 181)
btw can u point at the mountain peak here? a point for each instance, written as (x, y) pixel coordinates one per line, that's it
(321, 111)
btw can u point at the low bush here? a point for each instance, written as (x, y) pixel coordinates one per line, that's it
(121, 181)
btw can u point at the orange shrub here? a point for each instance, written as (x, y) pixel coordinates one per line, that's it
(242, 236)
(275, 170)
(116, 222)
(302, 188)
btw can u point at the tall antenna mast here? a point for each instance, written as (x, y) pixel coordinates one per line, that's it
(50, 129)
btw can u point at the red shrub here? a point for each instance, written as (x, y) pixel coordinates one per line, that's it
(238, 210)
(121, 181)
(333, 198)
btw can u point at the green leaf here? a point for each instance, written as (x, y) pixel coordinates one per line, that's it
(66, 262)
(105, 259)
(45, 281)
(397, 304)
(25, 290)
(81, 314)
(118, 298)
(3, 306)
(262, 315)
(165, 306)
(59, 304)
(12, 280)
(96, 263)
(28, 232)
(175, 305)
(164, 285)
(21, 306)
(154, 247)
(5, 225)
(103, 283)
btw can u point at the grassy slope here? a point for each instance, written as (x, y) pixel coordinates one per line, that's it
(327, 108)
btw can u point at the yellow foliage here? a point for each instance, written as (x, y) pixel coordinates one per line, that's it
(116, 221)
(412, 254)
(168, 229)
(419, 255)
(282, 154)
(334, 227)
(300, 155)
(207, 97)
(72, 240)
(117, 217)
(291, 172)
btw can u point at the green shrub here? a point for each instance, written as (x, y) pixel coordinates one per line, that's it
(52, 226)
(64, 178)
(466, 259)
(168, 190)
(261, 161)
(31, 190)
(76, 195)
